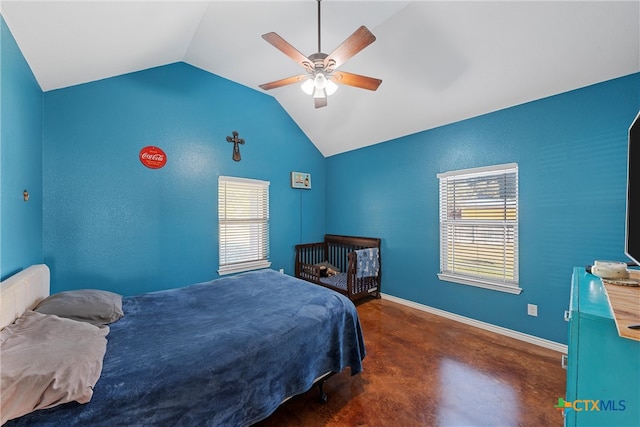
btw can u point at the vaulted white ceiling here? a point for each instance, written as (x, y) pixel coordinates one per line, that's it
(440, 61)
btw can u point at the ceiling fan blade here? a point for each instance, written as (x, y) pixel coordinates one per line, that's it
(283, 46)
(320, 102)
(284, 82)
(355, 80)
(357, 41)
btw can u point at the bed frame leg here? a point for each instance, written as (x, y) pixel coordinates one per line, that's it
(323, 396)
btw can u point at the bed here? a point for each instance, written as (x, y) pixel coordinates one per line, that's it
(349, 265)
(224, 352)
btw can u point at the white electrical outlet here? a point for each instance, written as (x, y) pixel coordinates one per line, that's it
(532, 310)
(282, 270)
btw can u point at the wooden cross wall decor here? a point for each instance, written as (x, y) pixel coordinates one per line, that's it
(236, 148)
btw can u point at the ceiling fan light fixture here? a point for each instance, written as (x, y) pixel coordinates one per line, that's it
(331, 87)
(320, 81)
(319, 86)
(308, 86)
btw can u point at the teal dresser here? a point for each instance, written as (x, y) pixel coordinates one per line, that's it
(603, 369)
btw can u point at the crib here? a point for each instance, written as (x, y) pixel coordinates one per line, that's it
(315, 263)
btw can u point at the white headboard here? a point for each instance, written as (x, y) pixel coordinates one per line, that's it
(22, 292)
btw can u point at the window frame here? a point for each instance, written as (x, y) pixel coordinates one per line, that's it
(260, 223)
(509, 280)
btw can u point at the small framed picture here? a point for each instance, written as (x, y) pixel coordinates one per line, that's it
(301, 180)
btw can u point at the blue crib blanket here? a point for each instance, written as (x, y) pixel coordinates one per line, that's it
(367, 262)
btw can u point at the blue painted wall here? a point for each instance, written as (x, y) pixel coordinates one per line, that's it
(20, 159)
(112, 223)
(571, 150)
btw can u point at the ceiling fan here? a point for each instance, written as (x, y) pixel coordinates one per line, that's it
(321, 74)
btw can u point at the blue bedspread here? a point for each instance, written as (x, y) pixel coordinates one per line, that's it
(225, 352)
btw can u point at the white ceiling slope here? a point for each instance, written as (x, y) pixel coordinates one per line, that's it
(440, 61)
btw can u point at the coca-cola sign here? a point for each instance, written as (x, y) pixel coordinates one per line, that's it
(153, 157)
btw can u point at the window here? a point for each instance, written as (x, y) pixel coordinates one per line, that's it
(479, 227)
(243, 216)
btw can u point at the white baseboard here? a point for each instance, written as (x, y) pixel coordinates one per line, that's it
(552, 345)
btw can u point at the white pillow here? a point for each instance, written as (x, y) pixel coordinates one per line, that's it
(46, 361)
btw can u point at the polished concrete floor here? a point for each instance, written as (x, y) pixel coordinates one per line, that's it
(425, 370)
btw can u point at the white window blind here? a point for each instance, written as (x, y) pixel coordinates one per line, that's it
(243, 217)
(479, 227)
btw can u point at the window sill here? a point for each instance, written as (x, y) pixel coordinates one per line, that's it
(240, 268)
(511, 289)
